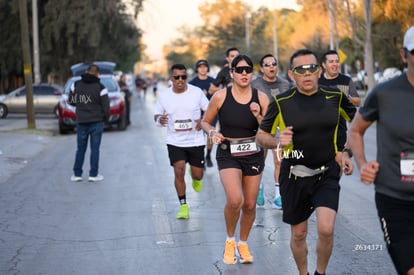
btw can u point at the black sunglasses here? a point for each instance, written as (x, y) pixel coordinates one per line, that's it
(183, 77)
(301, 70)
(240, 69)
(274, 64)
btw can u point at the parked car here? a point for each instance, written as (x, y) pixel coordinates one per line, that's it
(45, 100)
(389, 73)
(67, 114)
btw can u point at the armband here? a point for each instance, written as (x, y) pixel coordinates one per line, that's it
(348, 151)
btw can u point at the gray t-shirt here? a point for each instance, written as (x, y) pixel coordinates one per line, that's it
(271, 88)
(390, 105)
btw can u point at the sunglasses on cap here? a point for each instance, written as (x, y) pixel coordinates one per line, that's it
(301, 70)
(411, 52)
(183, 77)
(274, 64)
(240, 69)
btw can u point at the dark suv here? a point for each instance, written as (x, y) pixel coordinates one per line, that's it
(67, 115)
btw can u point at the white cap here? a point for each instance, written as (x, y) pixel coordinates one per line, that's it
(409, 39)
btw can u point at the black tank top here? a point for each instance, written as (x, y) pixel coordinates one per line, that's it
(236, 120)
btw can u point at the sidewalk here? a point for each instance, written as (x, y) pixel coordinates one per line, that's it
(19, 145)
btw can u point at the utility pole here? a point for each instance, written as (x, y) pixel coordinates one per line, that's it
(331, 23)
(27, 67)
(275, 46)
(247, 23)
(36, 62)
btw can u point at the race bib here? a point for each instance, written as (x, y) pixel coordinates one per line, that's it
(181, 125)
(243, 147)
(407, 166)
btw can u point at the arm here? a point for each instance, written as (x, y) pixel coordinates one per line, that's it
(219, 82)
(265, 138)
(105, 103)
(259, 110)
(160, 114)
(72, 96)
(353, 95)
(356, 143)
(210, 114)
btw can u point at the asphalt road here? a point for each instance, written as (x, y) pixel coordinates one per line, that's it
(126, 224)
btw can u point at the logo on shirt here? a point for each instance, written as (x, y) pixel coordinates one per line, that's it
(288, 154)
(329, 96)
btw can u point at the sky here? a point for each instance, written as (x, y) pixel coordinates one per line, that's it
(161, 18)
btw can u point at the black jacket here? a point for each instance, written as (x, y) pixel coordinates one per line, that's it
(91, 100)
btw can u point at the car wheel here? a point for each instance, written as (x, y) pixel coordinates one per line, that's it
(56, 111)
(3, 110)
(63, 129)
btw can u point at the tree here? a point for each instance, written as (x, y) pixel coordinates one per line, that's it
(82, 31)
(72, 31)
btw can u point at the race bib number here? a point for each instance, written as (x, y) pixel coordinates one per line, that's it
(181, 125)
(243, 147)
(407, 166)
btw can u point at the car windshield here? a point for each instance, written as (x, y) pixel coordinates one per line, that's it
(108, 82)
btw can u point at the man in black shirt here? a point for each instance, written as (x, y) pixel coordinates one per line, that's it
(223, 78)
(308, 118)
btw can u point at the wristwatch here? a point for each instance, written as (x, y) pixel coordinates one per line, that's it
(348, 151)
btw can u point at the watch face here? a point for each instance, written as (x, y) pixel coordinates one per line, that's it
(348, 151)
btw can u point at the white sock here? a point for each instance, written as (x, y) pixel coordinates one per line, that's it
(242, 242)
(230, 238)
(277, 192)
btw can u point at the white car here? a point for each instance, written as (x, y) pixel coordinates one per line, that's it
(45, 100)
(389, 73)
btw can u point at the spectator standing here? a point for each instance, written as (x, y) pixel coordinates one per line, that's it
(128, 96)
(308, 117)
(203, 81)
(154, 87)
(178, 108)
(271, 84)
(240, 162)
(91, 100)
(389, 105)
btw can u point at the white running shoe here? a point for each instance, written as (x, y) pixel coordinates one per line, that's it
(97, 178)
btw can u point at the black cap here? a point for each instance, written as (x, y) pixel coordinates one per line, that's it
(201, 62)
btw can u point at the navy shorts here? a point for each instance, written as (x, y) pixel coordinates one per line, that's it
(300, 196)
(397, 223)
(193, 155)
(250, 165)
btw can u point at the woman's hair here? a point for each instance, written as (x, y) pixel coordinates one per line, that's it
(241, 57)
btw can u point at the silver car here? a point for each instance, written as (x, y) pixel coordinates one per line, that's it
(45, 100)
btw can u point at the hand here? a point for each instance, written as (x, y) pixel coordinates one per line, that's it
(347, 165)
(369, 171)
(198, 124)
(286, 136)
(255, 109)
(163, 119)
(216, 137)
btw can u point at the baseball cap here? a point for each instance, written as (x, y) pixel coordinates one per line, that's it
(409, 39)
(201, 62)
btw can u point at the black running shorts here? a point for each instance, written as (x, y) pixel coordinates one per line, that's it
(250, 165)
(193, 155)
(300, 196)
(397, 223)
